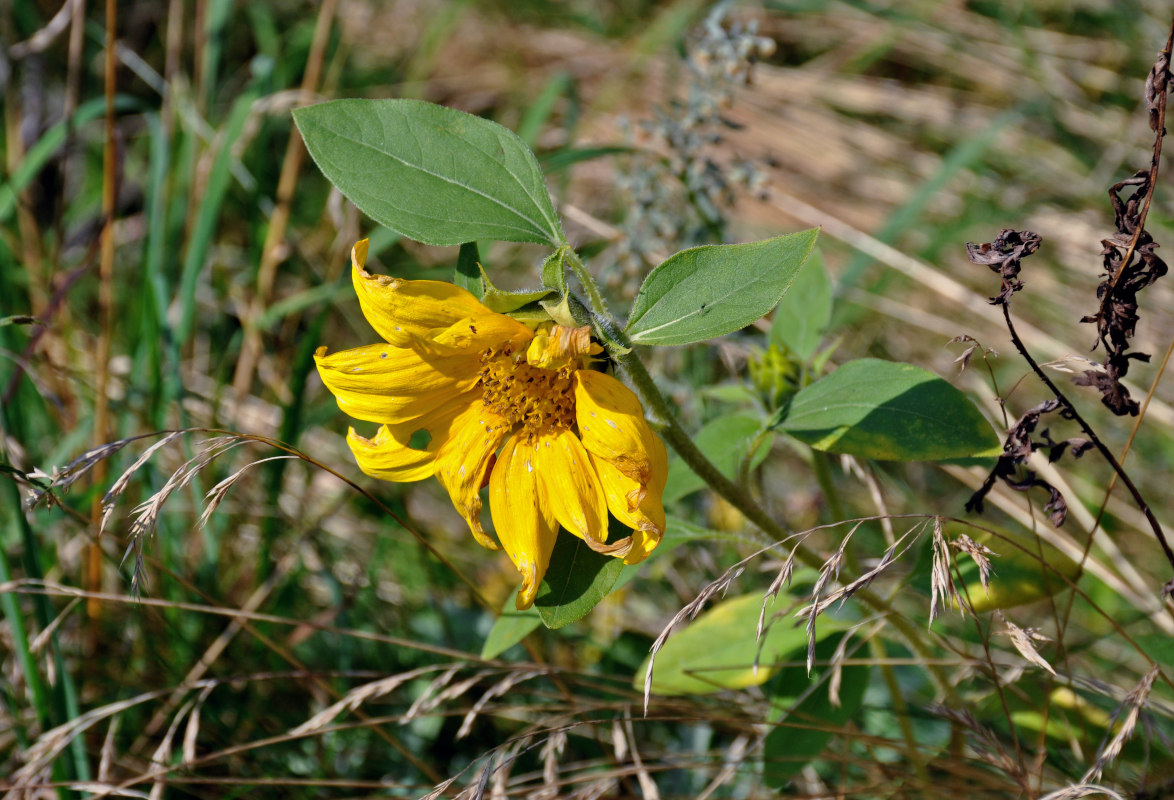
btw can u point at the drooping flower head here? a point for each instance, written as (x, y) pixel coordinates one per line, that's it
(503, 404)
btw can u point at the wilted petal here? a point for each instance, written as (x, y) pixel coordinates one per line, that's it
(398, 309)
(639, 508)
(522, 516)
(389, 459)
(571, 487)
(561, 347)
(612, 426)
(464, 458)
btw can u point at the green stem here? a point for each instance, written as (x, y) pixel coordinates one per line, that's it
(587, 281)
(823, 476)
(679, 440)
(620, 349)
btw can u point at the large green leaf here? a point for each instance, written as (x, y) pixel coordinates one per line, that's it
(891, 412)
(804, 313)
(724, 441)
(709, 291)
(434, 174)
(719, 649)
(576, 580)
(511, 627)
(804, 714)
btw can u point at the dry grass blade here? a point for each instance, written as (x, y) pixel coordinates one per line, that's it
(107, 757)
(647, 785)
(356, 697)
(981, 555)
(111, 497)
(1082, 790)
(98, 789)
(1128, 713)
(497, 690)
(732, 760)
(983, 740)
(147, 513)
(162, 754)
(441, 688)
(689, 611)
(1022, 640)
(192, 731)
(943, 592)
(216, 494)
(552, 750)
(40, 755)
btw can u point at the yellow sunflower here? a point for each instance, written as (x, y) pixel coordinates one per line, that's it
(503, 404)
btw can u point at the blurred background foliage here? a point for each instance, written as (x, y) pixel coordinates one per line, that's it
(904, 129)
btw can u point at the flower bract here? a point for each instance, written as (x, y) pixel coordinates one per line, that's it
(505, 405)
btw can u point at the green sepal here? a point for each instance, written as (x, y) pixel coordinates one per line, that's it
(567, 311)
(532, 314)
(554, 270)
(504, 302)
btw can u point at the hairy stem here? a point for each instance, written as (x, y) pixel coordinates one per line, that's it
(594, 297)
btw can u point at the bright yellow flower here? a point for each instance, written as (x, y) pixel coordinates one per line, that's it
(505, 405)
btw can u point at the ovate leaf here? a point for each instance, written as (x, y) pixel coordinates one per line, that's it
(720, 648)
(435, 174)
(891, 412)
(804, 313)
(709, 291)
(510, 628)
(724, 441)
(576, 580)
(805, 716)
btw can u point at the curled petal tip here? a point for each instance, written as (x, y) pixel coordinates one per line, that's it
(618, 549)
(480, 535)
(529, 588)
(359, 253)
(636, 496)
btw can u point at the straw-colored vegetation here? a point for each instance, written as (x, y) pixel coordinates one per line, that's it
(202, 596)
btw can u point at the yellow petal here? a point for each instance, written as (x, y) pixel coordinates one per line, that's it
(398, 309)
(383, 383)
(389, 459)
(524, 524)
(640, 508)
(389, 455)
(462, 461)
(611, 424)
(473, 334)
(571, 486)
